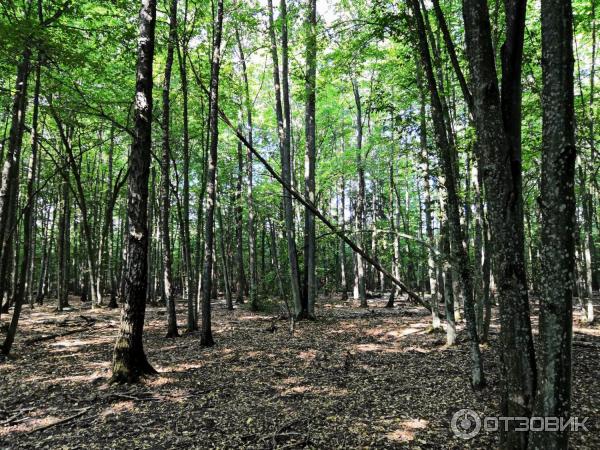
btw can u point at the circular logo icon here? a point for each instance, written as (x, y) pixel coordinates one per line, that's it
(465, 423)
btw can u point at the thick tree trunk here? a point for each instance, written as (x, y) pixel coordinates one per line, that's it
(129, 359)
(206, 338)
(557, 205)
(519, 372)
(10, 170)
(27, 223)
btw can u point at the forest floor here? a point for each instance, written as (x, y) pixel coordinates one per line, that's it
(355, 378)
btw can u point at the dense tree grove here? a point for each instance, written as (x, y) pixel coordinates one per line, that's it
(274, 154)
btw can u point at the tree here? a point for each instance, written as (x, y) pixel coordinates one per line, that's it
(129, 359)
(309, 159)
(557, 205)
(206, 338)
(283, 113)
(502, 191)
(165, 187)
(458, 252)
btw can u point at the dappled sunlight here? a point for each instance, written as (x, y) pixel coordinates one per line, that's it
(158, 381)
(595, 332)
(308, 355)
(117, 408)
(182, 367)
(367, 380)
(407, 429)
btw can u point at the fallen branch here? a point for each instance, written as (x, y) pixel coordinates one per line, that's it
(65, 420)
(49, 337)
(312, 208)
(15, 416)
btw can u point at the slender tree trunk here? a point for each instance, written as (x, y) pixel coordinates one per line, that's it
(192, 317)
(342, 219)
(431, 256)
(239, 229)
(553, 397)
(448, 287)
(458, 252)
(283, 125)
(165, 181)
(360, 285)
(249, 182)
(46, 250)
(64, 243)
(129, 359)
(224, 262)
(206, 338)
(309, 160)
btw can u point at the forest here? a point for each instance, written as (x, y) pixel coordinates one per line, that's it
(299, 224)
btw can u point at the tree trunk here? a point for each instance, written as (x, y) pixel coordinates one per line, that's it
(360, 285)
(342, 220)
(431, 256)
(557, 205)
(458, 252)
(165, 181)
(224, 262)
(206, 338)
(309, 159)
(27, 223)
(192, 284)
(10, 170)
(500, 182)
(284, 130)
(239, 230)
(252, 291)
(129, 359)
(64, 247)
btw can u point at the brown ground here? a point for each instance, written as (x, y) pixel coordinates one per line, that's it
(354, 379)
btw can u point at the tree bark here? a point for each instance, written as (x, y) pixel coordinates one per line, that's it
(557, 205)
(310, 157)
(360, 288)
(10, 170)
(458, 252)
(283, 122)
(252, 291)
(165, 186)
(518, 361)
(27, 222)
(129, 359)
(206, 338)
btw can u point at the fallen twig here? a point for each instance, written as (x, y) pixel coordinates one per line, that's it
(59, 422)
(49, 337)
(15, 416)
